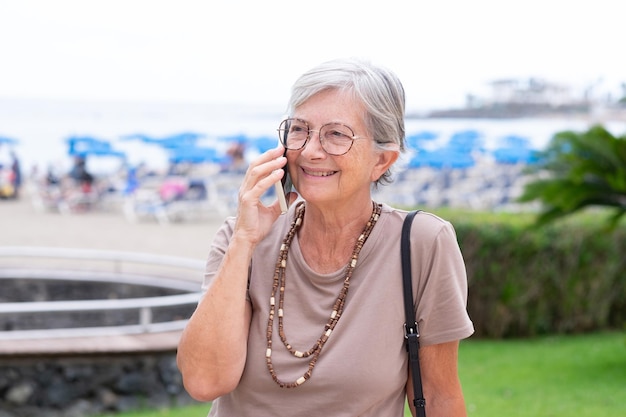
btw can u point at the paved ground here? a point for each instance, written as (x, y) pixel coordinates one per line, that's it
(22, 225)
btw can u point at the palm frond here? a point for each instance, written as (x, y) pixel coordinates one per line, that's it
(583, 169)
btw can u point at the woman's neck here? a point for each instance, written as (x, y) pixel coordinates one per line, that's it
(327, 239)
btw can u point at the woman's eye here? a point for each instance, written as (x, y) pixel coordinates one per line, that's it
(337, 134)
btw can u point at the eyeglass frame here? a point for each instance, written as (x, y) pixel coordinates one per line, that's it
(308, 136)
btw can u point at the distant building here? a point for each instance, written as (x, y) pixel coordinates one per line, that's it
(511, 98)
(530, 91)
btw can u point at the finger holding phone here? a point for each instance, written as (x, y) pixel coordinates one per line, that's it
(254, 219)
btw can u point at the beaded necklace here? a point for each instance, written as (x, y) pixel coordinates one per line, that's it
(278, 289)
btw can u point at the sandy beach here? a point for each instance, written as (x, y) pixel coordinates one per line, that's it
(21, 224)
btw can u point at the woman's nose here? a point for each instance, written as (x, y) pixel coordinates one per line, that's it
(314, 144)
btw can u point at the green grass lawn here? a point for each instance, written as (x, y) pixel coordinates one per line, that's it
(555, 376)
(582, 376)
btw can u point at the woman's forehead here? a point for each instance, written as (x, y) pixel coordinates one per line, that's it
(332, 106)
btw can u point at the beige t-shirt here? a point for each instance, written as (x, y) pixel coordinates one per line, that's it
(362, 369)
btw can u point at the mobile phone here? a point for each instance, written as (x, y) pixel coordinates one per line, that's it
(283, 188)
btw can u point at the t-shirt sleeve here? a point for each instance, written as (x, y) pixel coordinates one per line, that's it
(217, 251)
(441, 280)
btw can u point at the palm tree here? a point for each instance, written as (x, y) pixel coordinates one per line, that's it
(580, 170)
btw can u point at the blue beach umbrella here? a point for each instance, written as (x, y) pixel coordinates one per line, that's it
(466, 141)
(415, 140)
(80, 144)
(515, 155)
(237, 138)
(420, 159)
(515, 149)
(8, 141)
(441, 158)
(84, 146)
(450, 158)
(137, 136)
(263, 143)
(172, 141)
(193, 154)
(180, 140)
(515, 141)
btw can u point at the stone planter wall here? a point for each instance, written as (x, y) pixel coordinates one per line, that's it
(87, 385)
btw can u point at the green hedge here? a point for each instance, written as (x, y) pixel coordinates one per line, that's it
(564, 278)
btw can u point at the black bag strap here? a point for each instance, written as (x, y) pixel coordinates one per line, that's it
(410, 326)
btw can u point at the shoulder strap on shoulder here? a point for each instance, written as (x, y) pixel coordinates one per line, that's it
(410, 325)
(407, 285)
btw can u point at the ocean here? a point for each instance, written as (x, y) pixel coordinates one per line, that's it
(41, 128)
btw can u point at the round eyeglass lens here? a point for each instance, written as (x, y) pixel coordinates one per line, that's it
(293, 133)
(336, 138)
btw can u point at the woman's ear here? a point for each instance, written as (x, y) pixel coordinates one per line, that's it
(385, 160)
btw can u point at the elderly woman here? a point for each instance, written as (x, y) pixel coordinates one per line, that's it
(302, 312)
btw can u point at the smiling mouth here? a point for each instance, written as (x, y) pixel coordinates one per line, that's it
(320, 173)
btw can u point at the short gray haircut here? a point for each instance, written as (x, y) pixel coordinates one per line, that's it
(379, 90)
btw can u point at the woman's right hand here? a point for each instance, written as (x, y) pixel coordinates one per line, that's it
(254, 219)
(212, 350)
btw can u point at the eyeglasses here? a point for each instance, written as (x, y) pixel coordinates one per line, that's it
(335, 138)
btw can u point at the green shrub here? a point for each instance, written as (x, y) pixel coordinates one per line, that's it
(564, 278)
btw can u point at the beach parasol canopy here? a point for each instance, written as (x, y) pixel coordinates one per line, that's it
(84, 146)
(178, 140)
(442, 158)
(8, 141)
(466, 141)
(258, 143)
(514, 150)
(196, 155)
(415, 140)
(237, 138)
(263, 143)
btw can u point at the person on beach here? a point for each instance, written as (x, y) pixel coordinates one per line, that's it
(80, 175)
(16, 171)
(302, 312)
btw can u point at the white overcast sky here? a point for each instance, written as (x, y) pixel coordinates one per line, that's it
(251, 51)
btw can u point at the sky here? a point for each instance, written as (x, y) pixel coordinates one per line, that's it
(250, 51)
